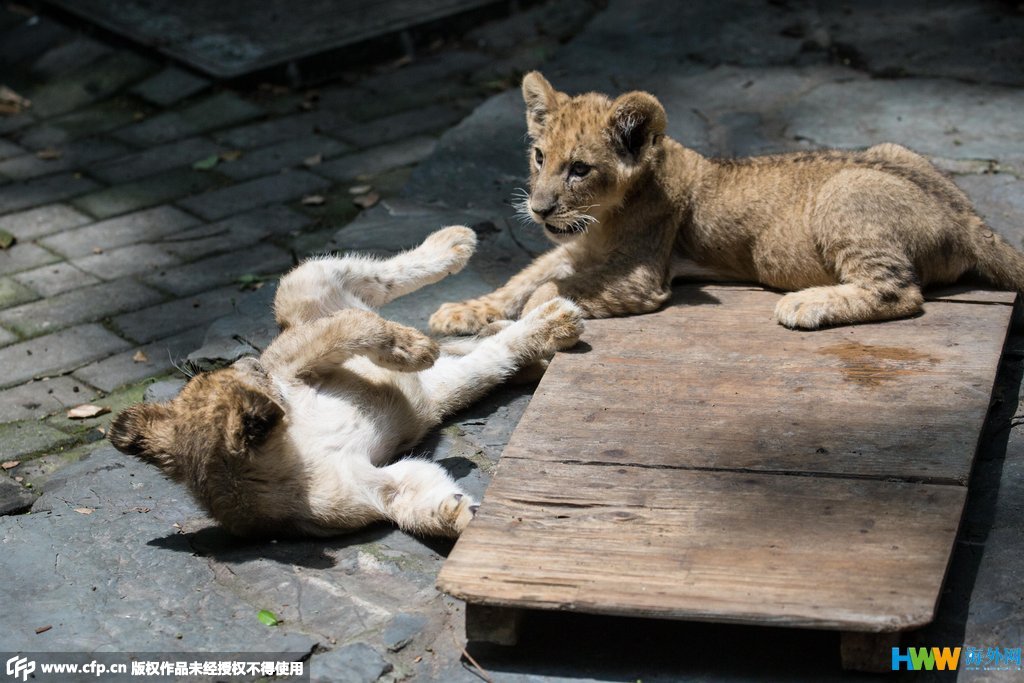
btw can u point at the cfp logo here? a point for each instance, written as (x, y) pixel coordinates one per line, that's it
(20, 666)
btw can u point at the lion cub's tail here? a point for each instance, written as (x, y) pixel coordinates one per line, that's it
(997, 261)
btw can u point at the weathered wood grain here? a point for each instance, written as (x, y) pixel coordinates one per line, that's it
(716, 384)
(748, 548)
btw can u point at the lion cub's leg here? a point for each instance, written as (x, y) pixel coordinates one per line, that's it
(422, 498)
(326, 343)
(455, 381)
(322, 286)
(877, 283)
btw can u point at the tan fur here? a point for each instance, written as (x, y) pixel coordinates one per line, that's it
(299, 441)
(854, 235)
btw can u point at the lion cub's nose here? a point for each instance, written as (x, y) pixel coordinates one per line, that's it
(543, 212)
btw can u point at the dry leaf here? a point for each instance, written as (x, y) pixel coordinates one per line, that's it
(11, 102)
(86, 410)
(85, 511)
(49, 154)
(97, 250)
(19, 479)
(365, 201)
(360, 189)
(313, 200)
(231, 155)
(140, 357)
(10, 464)
(43, 629)
(314, 160)
(6, 239)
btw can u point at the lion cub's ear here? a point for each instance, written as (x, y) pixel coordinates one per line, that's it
(637, 121)
(540, 98)
(138, 430)
(253, 417)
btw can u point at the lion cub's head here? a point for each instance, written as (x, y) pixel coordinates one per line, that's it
(586, 153)
(211, 438)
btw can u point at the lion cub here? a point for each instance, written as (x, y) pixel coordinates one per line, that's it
(299, 440)
(854, 235)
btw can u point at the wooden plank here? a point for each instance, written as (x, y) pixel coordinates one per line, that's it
(844, 554)
(712, 383)
(704, 463)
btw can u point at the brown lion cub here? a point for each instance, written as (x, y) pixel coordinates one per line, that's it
(301, 440)
(854, 235)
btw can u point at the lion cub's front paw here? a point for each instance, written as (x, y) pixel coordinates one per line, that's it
(451, 247)
(408, 350)
(561, 322)
(807, 309)
(466, 317)
(456, 512)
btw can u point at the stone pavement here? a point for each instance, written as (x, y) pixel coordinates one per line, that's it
(123, 245)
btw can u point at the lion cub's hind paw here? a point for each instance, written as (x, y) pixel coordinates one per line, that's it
(451, 247)
(456, 512)
(409, 350)
(465, 317)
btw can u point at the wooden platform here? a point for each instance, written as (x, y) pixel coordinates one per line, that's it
(705, 463)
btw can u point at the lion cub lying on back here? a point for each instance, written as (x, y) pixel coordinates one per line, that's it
(855, 234)
(298, 441)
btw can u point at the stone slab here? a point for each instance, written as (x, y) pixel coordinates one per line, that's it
(170, 86)
(34, 400)
(133, 228)
(42, 221)
(38, 191)
(227, 41)
(124, 368)
(86, 304)
(147, 192)
(21, 439)
(253, 193)
(55, 278)
(154, 160)
(56, 353)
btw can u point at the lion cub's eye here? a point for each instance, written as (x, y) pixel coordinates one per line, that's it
(579, 169)
(538, 156)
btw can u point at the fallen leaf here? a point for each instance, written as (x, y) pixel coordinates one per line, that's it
(207, 163)
(267, 617)
(85, 511)
(10, 464)
(231, 155)
(360, 189)
(12, 103)
(6, 239)
(86, 410)
(19, 479)
(140, 357)
(365, 201)
(97, 250)
(314, 160)
(249, 282)
(313, 200)
(44, 629)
